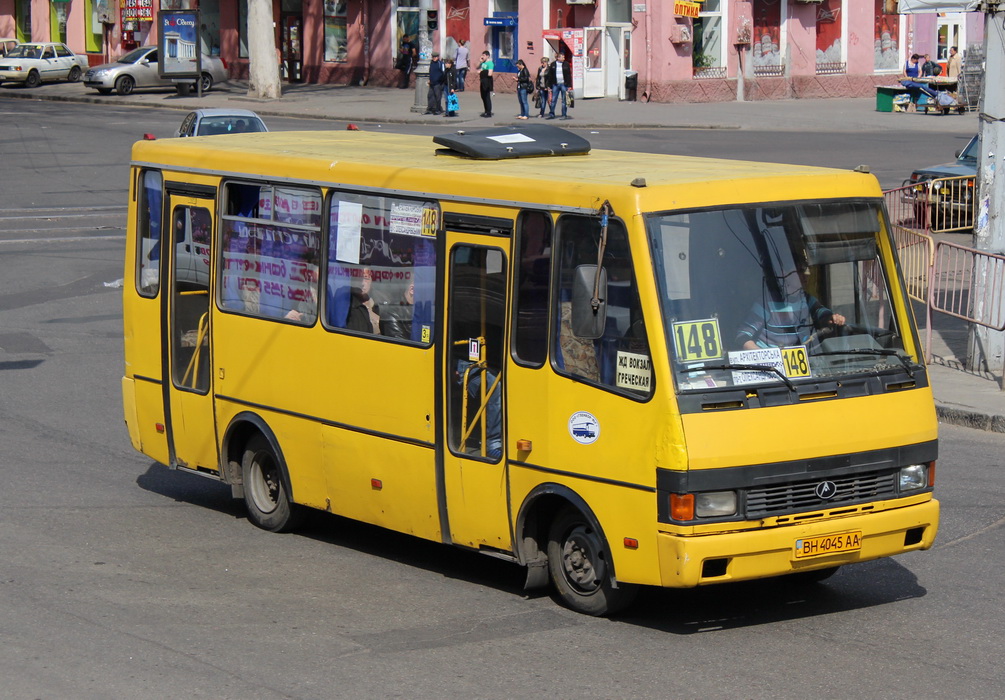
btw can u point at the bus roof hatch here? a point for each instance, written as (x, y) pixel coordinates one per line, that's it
(503, 142)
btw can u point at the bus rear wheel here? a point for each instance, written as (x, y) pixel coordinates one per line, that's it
(265, 495)
(578, 564)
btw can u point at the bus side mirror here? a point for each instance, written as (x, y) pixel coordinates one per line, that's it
(588, 322)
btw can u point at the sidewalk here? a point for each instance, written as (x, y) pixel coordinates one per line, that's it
(962, 397)
(376, 105)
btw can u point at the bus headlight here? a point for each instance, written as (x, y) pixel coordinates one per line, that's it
(714, 504)
(913, 477)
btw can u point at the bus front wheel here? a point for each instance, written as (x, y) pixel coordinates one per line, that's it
(265, 495)
(578, 563)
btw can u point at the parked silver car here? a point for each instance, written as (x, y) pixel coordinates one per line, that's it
(139, 69)
(212, 121)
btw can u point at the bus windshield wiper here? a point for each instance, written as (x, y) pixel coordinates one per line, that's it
(886, 352)
(752, 368)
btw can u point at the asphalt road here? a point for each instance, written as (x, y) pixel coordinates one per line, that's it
(120, 578)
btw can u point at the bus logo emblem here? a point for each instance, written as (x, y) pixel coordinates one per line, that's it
(584, 428)
(826, 490)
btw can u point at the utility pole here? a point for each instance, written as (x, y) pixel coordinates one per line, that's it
(425, 49)
(987, 346)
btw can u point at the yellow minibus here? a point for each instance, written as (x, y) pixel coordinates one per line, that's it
(613, 369)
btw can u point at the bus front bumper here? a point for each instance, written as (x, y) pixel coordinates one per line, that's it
(697, 560)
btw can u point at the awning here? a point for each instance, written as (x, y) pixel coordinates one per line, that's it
(910, 7)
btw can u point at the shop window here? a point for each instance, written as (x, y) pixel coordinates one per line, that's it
(336, 37)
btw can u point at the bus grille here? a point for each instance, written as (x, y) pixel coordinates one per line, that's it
(801, 495)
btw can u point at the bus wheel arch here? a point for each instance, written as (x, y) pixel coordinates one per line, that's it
(256, 469)
(560, 539)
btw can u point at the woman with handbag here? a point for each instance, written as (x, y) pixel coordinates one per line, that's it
(453, 105)
(541, 97)
(524, 87)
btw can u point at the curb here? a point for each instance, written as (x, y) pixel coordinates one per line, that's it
(988, 422)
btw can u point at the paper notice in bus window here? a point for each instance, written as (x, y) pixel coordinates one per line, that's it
(406, 218)
(766, 357)
(350, 217)
(634, 371)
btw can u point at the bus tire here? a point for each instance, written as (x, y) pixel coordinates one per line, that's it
(265, 496)
(578, 564)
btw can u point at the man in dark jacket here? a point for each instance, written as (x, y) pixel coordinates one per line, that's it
(437, 80)
(559, 82)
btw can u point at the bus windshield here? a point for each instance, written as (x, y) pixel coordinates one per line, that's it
(776, 293)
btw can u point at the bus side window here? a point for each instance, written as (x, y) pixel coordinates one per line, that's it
(620, 358)
(271, 251)
(148, 229)
(533, 277)
(381, 271)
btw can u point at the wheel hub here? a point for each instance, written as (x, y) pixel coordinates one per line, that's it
(578, 556)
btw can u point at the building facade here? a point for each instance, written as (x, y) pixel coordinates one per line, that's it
(674, 50)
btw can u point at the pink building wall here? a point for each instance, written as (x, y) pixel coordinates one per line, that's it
(662, 52)
(7, 27)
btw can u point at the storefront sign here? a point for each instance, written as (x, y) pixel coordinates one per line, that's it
(137, 11)
(682, 8)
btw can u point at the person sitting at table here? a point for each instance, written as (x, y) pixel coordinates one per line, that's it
(912, 71)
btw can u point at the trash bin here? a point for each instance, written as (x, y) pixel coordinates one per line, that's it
(631, 85)
(885, 95)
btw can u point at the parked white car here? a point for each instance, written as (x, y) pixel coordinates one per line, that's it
(35, 63)
(6, 44)
(139, 69)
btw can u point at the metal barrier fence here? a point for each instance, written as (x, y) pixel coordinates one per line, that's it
(940, 205)
(946, 277)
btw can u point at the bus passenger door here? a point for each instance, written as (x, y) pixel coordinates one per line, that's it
(186, 333)
(475, 461)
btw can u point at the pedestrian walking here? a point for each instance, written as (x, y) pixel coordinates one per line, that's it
(406, 61)
(543, 94)
(524, 87)
(485, 82)
(559, 82)
(437, 78)
(461, 63)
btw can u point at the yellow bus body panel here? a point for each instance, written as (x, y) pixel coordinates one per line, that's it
(314, 387)
(730, 438)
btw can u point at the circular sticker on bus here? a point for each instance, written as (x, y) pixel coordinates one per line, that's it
(584, 428)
